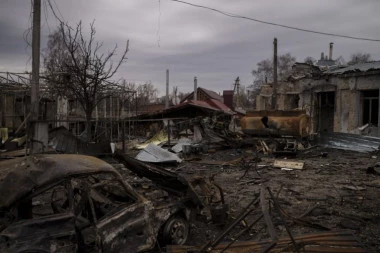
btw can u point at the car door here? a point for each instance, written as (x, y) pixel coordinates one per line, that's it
(122, 221)
(45, 222)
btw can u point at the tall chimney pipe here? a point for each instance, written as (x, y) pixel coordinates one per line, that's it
(195, 88)
(331, 51)
(167, 90)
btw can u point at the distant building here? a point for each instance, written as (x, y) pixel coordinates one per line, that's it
(327, 62)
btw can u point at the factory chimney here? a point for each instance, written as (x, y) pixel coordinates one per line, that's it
(331, 51)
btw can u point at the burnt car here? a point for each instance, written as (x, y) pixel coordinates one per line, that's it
(77, 203)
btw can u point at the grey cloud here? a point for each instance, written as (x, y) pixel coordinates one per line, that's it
(197, 42)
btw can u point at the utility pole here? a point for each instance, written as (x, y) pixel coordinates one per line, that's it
(274, 96)
(36, 58)
(167, 90)
(237, 91)
(38, 131)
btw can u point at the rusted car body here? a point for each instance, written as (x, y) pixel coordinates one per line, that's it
(276, 123)
(76, 203)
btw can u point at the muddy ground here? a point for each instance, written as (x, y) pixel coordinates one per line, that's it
(330, 193)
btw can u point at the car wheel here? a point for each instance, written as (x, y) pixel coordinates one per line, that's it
(176, 230)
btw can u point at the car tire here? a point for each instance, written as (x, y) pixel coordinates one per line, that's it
(176, 230)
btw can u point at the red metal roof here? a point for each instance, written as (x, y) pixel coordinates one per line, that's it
(212, 94)
(212, 104)
(209, 93)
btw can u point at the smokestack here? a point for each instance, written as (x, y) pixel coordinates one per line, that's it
(195, 88)
(322, 56)
(331, 51)
(167, 90)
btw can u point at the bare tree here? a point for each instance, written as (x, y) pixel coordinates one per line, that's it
(359, 58)
(340, 61)
(146, 94)
(77, 68)
(244, 98)
(309, 60)
(174, 95)
(264, 72)
(182, 95)
(285, 63)
(127, 98)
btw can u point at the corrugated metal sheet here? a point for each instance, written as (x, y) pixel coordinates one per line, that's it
(155, 154)
(352, 142)
(361, 67)
(63, 141)
(178, 147)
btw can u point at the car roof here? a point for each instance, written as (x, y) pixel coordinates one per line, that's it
(20, 176)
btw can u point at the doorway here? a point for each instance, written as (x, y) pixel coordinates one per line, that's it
(326, 109)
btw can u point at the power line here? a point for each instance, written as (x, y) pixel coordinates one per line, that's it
(55, 15)
(46, 16)
(159, 23)
(58, 10)
(275, 24)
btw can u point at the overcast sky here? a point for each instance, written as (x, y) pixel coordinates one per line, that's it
(191, 41)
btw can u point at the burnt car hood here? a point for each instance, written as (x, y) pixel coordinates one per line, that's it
(20, 176)
(167, 180)
(186, 191)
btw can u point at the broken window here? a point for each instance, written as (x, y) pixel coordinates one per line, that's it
(72, 106)
(370, 107)
(292, 101)
(327, 99)
(52, 201)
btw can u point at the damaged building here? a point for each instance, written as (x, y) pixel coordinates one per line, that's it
(344, 100)
(204, 103)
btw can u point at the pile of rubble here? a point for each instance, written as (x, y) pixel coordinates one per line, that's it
(276, 203)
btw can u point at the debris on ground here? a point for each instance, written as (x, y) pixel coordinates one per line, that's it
(155, 154)
(329, 192)
(159, 138)
(288, 164)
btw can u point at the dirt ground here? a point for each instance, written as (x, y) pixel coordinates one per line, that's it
(330, 193)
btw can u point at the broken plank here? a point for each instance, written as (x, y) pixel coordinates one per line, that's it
(288, 164)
